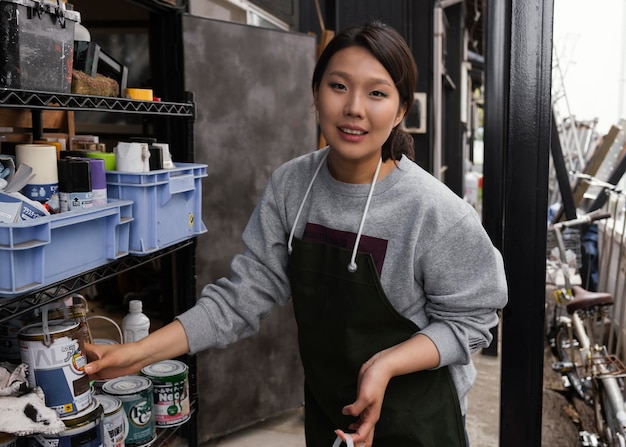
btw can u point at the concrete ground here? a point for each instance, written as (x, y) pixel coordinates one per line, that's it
(287, 430)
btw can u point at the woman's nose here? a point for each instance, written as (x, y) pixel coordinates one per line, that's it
(354, 105)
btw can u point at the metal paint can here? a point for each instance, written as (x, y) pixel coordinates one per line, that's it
(135, 392)
(84, 429)
(7, 440)
(115, 421)
(54, 355)
(171, 392)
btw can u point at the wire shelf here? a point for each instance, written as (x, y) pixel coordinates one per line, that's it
(28, 99)
(14, 307)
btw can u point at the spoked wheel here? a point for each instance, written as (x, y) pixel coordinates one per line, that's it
(606, 424)
(562, 347)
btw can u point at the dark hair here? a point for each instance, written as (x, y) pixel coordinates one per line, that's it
(390, 49)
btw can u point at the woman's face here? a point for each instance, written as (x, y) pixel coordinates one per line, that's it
(358, 105)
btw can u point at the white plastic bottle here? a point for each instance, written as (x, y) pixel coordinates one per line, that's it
(135, 325)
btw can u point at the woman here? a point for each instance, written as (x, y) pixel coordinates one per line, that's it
(394, 281)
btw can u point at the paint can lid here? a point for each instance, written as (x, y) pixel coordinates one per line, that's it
(166, 371)
(110, 404)
(88, 415)
(35, 332)
(123, 386)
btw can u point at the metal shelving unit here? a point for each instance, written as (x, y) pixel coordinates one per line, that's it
(178, 258)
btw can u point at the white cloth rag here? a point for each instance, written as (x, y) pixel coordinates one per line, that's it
(28, 415)
(23, 411)
(13, 380)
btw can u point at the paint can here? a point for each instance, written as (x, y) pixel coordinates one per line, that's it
(84, 429)
(170, 391)
(115, 421)
(74, 310)
(7, 440)
(135, 392)
(53, 352)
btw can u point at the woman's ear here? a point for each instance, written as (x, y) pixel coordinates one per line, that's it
(400, 115)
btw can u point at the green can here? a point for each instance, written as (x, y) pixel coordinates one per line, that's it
(171, 392)
(135, 392)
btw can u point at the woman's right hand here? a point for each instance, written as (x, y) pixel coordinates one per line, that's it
(110, 361)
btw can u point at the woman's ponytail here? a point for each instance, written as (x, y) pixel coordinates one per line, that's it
(398, 143)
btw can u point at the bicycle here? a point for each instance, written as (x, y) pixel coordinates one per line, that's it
(584, 363)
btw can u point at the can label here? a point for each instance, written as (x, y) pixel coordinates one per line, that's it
(115, 421)
(171, 392)
(41, 192)
(116, 428)
(59, 370)
(171, 403)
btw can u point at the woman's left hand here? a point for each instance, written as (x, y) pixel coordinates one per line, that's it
(371, 386)
(415, 354)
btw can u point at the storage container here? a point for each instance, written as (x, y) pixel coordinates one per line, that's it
(39, 252)
(167, 204)
(37, 42)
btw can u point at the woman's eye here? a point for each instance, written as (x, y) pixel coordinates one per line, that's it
(337, 86)
(379, 94)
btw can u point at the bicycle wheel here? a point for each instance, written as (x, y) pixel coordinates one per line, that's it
(606, 423)
(571, 366)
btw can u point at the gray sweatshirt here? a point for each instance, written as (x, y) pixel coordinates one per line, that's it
(440, 269)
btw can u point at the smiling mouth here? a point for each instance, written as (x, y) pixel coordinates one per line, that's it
(352, 131)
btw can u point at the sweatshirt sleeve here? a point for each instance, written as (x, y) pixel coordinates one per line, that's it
(465, 285)
(231, 308)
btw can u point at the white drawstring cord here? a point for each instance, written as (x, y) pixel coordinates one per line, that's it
(349, 442)
(352, 267)
(306, 194)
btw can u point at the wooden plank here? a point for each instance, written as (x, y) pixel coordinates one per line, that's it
(594, 164)
(52, 119)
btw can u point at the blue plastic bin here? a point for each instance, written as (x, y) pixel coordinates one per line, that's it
(38, 252)
(167, 204)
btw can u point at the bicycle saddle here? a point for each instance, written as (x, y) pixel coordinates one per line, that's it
(584, 299)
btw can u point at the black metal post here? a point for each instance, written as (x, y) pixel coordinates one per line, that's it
(525, 216)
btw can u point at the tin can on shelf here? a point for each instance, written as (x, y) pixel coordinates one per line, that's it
(135, 392)
(115, 421)
(56, 364)
(171, 392)
(83, 429)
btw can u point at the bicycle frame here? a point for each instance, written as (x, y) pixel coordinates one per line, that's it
(591, 368)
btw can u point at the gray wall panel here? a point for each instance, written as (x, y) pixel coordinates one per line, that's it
(254, 112)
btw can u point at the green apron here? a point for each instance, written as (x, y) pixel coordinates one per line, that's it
(343, 319)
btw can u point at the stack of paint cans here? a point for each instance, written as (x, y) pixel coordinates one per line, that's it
(122, 412)
(135, 395)
(53, 350)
